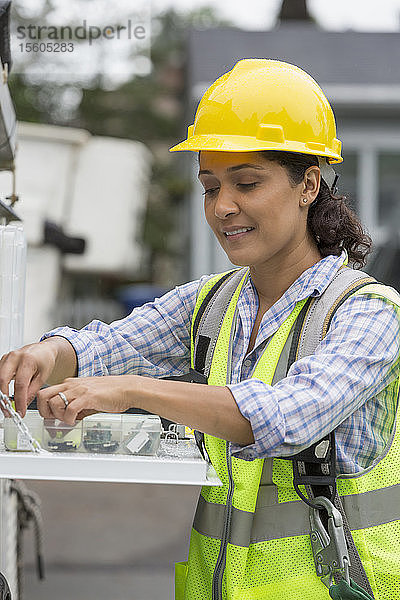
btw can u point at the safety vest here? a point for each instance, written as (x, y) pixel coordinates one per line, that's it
(250, 537)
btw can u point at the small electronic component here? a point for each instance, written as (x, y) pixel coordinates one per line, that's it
(137, 441)
(98, 438)
(60, 437)
(176, 431)
(134, 434)
(59, 446)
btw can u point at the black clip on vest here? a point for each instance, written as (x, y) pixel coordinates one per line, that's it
(315, 468)
(193, 377)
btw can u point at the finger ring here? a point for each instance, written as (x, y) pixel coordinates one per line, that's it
(63, 398)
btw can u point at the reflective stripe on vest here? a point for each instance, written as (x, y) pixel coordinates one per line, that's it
(274, 520)
(265, 550)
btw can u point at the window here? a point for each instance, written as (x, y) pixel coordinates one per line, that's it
(389, 189)
(347, 182)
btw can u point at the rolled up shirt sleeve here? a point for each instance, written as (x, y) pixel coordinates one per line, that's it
(153, 340)
(336, 387)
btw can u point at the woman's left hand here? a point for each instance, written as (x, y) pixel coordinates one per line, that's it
(84, 396)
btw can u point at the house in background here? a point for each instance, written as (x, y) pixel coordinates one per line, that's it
(359, 73)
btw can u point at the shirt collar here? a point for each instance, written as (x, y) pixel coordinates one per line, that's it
(315, 280)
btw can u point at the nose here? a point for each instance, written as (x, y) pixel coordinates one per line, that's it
(225, 204)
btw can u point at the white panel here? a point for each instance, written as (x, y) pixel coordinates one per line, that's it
(45, 166)
(367, 188)
(12, 286)
(107, 204)
(376, 135)
(368, 142)
(42, 282)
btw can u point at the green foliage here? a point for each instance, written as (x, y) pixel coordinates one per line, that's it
(145, 108)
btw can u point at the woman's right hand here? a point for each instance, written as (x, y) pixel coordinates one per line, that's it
(32, 366)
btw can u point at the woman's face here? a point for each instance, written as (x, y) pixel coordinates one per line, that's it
(256, 213)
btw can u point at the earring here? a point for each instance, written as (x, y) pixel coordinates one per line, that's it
(304, 200)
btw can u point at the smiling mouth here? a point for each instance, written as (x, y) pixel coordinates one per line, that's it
(237, 232)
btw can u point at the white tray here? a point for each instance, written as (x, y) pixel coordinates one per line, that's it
(175, 463)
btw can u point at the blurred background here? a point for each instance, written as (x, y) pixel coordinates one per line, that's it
(113, 219)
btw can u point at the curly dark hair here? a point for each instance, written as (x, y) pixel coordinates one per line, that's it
(332, 223)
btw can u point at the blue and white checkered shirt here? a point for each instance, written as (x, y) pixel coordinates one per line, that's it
(341, 386)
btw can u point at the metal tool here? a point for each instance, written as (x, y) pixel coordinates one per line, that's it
(6, 403)
(329, 547)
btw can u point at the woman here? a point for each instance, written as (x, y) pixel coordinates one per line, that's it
(265, 134)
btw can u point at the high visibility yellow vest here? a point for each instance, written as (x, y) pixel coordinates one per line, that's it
(250, 537)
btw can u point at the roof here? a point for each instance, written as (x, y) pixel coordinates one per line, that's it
(351, 67)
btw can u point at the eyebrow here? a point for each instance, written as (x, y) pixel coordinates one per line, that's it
(235, 168)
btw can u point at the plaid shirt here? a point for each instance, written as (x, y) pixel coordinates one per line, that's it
(341, 386)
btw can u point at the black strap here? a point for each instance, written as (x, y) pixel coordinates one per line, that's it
(316, 467)
(206, 301)
(319, 474)
(194, 376)
(5, 52)
(200, 355)
(201, 444)
(191, 377)
(312, 467)
(356, 569)
(201, 349)
(297, 327)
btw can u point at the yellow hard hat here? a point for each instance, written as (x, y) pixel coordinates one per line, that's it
(264, 104)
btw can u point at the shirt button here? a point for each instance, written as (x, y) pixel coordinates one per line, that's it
(247, 362)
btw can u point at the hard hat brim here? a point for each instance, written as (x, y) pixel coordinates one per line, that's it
(240, 143)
